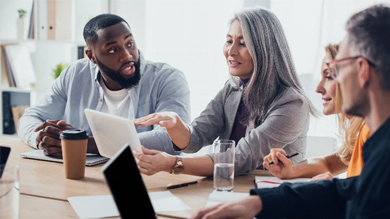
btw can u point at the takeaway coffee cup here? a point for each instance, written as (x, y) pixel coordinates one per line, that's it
(74, 152)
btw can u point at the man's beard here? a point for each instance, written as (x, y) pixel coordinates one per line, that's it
(118, 78)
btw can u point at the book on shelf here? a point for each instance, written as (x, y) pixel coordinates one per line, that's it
(19, 67)
(31, 27)
(6, 73)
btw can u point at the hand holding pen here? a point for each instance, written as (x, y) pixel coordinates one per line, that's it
(279, 164)
(288, 156)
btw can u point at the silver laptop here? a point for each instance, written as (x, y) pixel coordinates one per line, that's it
(91, 160)
(127, 186)
(112, 132)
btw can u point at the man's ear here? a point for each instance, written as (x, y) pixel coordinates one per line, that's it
(365, 73)
(88, 52)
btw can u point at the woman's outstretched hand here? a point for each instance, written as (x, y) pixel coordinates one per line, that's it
(164, 119)
(177, 130)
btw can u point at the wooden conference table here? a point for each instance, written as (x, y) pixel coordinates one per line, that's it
(44, 189)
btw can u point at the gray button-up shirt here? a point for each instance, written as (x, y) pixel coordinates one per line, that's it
(161, 88)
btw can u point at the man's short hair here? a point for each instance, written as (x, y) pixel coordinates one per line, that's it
(369, 35)
(99, 22)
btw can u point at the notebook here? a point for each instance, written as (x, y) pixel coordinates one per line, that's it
(271, 181)
(126, 185)
(92, 159)
(112, 132)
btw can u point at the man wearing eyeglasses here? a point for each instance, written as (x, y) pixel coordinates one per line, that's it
(334, 68)
(362, 68)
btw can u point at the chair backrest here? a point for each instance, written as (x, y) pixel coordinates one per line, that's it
(320, 146)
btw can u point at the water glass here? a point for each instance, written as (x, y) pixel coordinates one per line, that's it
(224, 165)
(9, 193)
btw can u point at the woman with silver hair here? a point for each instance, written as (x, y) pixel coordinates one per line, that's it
(262, 106)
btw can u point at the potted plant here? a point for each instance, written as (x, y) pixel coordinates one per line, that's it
(20, 23)
(58, 69)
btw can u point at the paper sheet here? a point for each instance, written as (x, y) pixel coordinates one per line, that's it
(94, 206)
(166, 201)
(221, 197)
(104, 205)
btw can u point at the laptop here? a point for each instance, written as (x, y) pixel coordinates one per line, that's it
(4, 153)
(126, 185)
(112, 132)
(91, 160)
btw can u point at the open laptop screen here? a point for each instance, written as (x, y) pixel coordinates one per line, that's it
(4, 153)
(127, 186)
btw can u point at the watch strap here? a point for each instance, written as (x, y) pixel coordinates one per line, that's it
(178, 166)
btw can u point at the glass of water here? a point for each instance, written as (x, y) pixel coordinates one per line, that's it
(224, 165)
(9, 192)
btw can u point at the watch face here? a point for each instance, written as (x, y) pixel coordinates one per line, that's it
(178, 170)
(178, 167)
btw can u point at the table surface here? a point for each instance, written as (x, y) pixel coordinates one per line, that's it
(44, 189)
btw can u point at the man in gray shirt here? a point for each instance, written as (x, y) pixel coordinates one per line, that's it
(116, 79)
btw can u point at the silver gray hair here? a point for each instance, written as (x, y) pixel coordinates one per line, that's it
(274, 70)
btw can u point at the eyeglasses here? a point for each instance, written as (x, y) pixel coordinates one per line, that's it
(334, 67)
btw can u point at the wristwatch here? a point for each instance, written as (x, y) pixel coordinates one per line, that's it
(178, 167)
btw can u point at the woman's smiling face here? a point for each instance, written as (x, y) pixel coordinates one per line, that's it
(238, 59)
(327, 88)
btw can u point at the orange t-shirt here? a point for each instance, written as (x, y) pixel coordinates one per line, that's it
(356, 163)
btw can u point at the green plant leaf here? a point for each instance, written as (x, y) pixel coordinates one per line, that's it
(58, 69)
(22, 13)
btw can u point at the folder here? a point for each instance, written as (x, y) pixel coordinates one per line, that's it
(54, 21)
(8, 122)
(17, 112)
(20, 66)
(81, 52)
(42, 20)
(51, 19)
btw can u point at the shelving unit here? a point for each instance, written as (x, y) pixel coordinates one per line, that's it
(45, 54)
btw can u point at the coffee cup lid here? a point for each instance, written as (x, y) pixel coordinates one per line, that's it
(74, 134)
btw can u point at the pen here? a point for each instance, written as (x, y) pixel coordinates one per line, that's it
(181, 185)
(288, 156)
